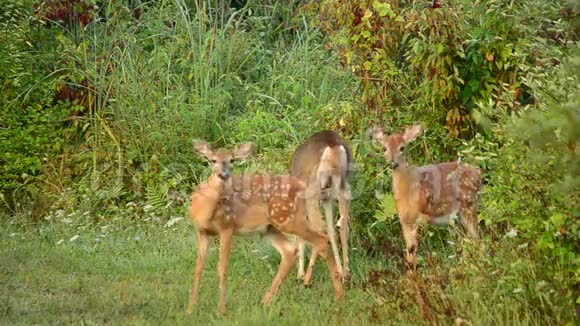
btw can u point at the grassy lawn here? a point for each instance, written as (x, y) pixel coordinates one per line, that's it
(141, 274)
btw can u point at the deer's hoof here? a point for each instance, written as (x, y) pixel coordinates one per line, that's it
(339, 294)
(346, 277)
(267, 299)
(190, 308)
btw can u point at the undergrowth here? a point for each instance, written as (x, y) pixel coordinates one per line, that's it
(101, 102)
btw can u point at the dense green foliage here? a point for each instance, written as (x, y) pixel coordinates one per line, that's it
(99, 106)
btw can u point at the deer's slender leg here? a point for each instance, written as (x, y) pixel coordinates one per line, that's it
(320, 244)
(202, 246)
(313, 211)
(301, 247)
(327, 204)
(411, 235)
(308, 276)
(301, 228)
(287, 252)
(225, 248)
(343, 223)
(468, 220)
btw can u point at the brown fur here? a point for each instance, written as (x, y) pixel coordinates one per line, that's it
(429, 194)
(228, 205)
(306, 157)
(325, 162)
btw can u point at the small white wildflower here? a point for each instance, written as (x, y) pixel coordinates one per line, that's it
(523, 246)
(541, 284)
(172, 221)
(518, 290)
(73, 238)
(512, 233)
(460, 322)
(137, 238)
(97, 239)
(451, 242)
(59, 213)
(67, 220)
(147, 208)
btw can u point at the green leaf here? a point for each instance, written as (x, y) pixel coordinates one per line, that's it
(383, 9)
(558, 219)
(368, 14)
(473, 84)
(368, 65)
(388, 207)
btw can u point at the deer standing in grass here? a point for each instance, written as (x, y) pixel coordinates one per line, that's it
(431, 194)
(324, 163)
(273, 206)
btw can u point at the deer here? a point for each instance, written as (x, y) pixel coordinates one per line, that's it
(273, 206)
(324, 162)
(430, 194)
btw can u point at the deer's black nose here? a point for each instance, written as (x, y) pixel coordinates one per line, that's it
(224, 175)
(394, 164)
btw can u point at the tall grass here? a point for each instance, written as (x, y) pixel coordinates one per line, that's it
(192, 70)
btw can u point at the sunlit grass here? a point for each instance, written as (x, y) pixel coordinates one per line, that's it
(66, 273)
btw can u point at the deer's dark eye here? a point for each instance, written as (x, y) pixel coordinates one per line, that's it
(402, 148)
(231, 161)
(214, 161)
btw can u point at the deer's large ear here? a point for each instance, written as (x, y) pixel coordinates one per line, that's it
(377, 135)
(411, 133)
(203, 148)
(242, 151)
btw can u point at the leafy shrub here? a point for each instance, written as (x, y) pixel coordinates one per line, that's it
(32, 131)
(534, 184)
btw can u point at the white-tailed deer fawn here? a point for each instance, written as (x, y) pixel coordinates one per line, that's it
(431, 194)
(273, 206)
(324, 162)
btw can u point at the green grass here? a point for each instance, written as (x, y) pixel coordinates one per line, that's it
(141, 274)
(124, 280)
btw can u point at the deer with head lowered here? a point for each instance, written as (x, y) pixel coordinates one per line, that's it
(430, 194)
(324, 163)
(227, 205)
